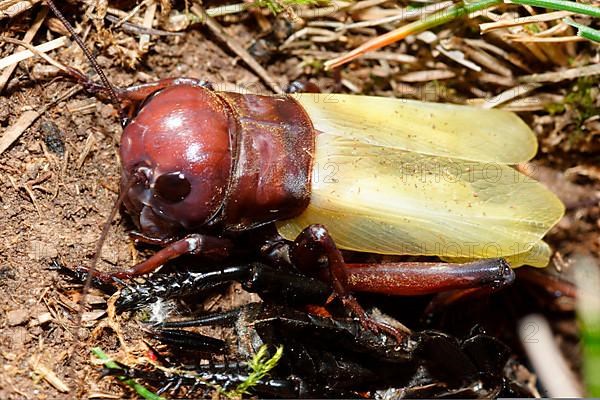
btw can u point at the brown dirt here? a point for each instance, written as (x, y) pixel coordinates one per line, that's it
(53, 205)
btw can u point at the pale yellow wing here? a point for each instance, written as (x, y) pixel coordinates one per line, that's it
(461, 132)
(536, 256)
(390, 201)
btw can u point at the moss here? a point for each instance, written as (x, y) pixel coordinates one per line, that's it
(316, 65)
(555, 108)
(260, 365)
(532, 28)
(582, 97)
(582, 100)
(277, 6)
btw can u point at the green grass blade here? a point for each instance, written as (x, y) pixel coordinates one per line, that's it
(584, 31)
(562, 5)
(139, 389)
(451, 13)
(587, 278)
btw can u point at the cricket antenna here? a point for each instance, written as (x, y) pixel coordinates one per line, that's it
(105, 82)
(135, 178)
(112, 92)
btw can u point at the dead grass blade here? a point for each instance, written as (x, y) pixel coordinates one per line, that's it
(12, 8)
(12, 133)
(49, 376)
(552, 39)
(237, 48)
(551, 16)
(29, 35)
(24, 55)
(567, 74)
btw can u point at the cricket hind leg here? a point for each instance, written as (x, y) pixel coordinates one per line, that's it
(314, 251)
(421, 278)
(314, 247)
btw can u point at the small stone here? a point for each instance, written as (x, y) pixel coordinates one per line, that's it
(19, 337)
(106, 111)
(53, 137)
(31, 170)
(94, 299)
(17, 317)
(92, 315)
(41, 319)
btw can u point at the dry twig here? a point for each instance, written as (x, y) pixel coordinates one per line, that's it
(237, 48)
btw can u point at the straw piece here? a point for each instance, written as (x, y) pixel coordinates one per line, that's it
(25, 54)
(549, 363)
(510, 94)
(12, 133)
(29, 35)
(10, 9)
(148, 21)
(573, 73)
(553, 39)
(551, 16)
(49, 376)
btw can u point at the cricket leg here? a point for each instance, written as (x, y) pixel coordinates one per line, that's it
(194, 244)
(139, 237)
(272, 285)
(419, 278)
(313, 247)
(451, 282)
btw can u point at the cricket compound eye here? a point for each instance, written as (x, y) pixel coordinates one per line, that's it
(173, 187)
